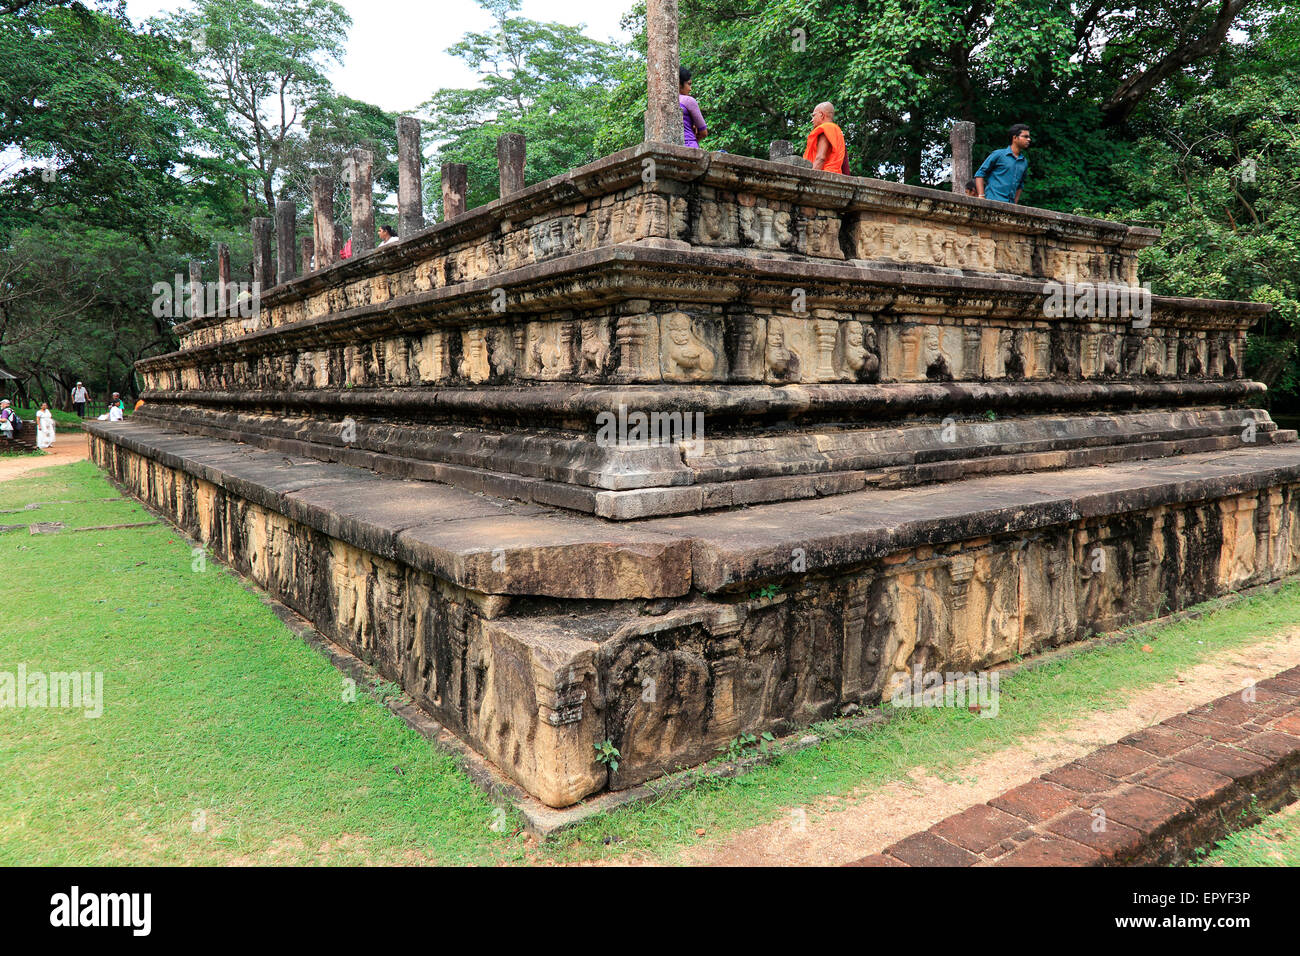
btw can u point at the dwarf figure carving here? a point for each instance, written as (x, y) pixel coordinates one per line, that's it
(860, 358)
(595, 349)
(687, 355)
(933, 357)
(782, 361)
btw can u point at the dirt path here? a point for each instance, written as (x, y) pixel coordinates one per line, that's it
(835, 831)
(68, 447)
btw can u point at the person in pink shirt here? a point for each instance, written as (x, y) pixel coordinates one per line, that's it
(692, 119)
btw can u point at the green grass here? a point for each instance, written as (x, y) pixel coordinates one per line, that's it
(215, 711)
(1274, 841)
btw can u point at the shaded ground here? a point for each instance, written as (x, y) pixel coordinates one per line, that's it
(68, 447)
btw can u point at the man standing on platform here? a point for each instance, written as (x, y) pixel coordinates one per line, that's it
(1002, 177)
(826, 141)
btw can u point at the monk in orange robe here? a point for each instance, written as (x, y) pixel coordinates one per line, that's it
(826, 141)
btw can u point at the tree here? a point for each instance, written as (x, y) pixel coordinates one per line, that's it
(545, 80)
(1219, 174)
(265, 61)
(900, 71)
(100, 121)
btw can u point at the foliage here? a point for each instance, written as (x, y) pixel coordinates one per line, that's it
(1220, 176)
(546, 80)
(96, 118)
(265, 62)
(607, 754)
(900, 73)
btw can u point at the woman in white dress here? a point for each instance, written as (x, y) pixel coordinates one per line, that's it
(44, 426)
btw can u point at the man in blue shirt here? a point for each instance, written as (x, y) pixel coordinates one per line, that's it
(1002, 177)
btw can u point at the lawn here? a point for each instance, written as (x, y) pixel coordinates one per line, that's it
(1274, 841)
(224, 738)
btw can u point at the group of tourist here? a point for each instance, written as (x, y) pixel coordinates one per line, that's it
(1000, 177)
(11, 423)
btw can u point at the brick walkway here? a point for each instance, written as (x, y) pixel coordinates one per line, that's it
(1151, 799)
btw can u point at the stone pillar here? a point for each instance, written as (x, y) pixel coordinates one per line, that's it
(196, 290)
(963, 142)
(223, 279)
(410, 197)
(322, 206)
(455, 185)
(510, 162)
(286, 224)
(340, 241)
(361, 164)
(663, 115)
(780, 150)
(263, 265)
(308, 253)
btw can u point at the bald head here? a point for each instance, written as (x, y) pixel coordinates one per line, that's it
(825, 111)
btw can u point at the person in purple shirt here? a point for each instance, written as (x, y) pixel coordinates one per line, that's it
(692, 118)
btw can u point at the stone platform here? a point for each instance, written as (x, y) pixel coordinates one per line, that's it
(537, 633)
(905, 457)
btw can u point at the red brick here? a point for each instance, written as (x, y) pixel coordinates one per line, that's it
(1143, 808)
(1236, 764)
(1080, 779)
(1229, 709)
(1117, 760)
(978, 828)
(1035, 801)
(1283, 684)
(926, 849)
(1050, 851)
(1005, 847)
(1272, 744)
(1115, 842)
(1288, 725)
(877, 859)
(1207, 729)
(1276, 693)
(1292, 674)
(1187, 782)
(1160, 741)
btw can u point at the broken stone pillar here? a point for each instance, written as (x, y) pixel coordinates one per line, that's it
(455, 185)
(223, 279)
(308, 253)
(510, 162)
(663, 114)
(196, 290)
(286, 222)
(963, 142)
(263, 265)
(322, 207)
(361, 164)
(782, 151)
(410, 199)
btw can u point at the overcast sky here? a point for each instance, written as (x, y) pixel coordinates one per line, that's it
(395, 55)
